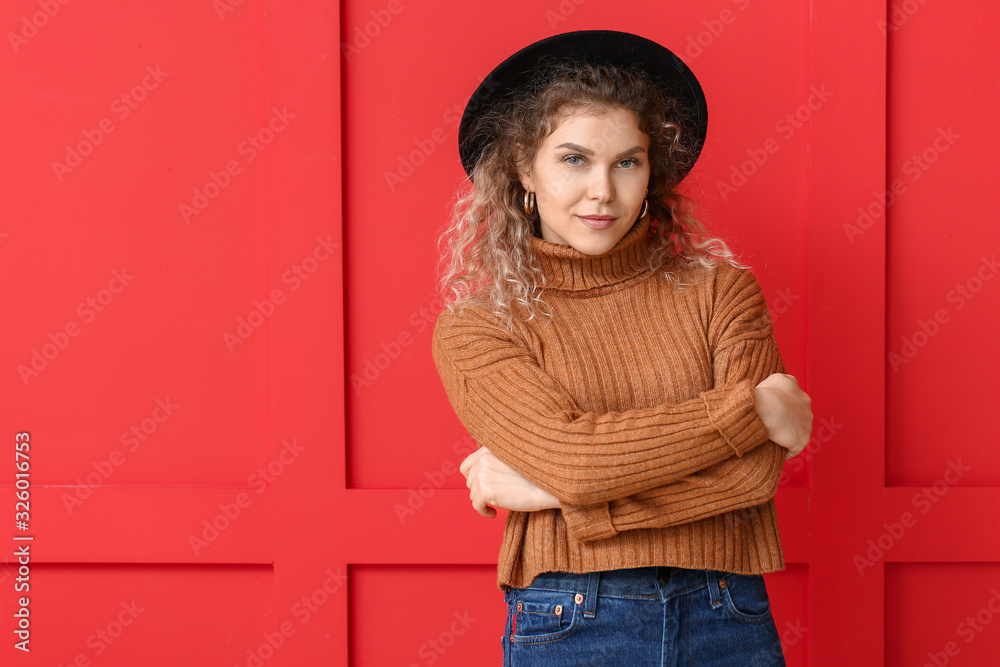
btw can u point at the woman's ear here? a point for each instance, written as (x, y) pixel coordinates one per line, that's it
(527, 180)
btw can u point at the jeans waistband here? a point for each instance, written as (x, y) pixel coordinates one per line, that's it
(647, 581)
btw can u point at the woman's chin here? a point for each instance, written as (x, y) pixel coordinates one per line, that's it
(594, 242)
(595, 247)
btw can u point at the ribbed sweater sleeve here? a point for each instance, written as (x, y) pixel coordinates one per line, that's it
(745, 350)
(510, 405)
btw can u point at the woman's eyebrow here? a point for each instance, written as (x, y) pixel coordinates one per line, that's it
(587, 151)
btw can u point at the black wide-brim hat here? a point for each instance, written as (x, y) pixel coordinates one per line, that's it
(591, 46)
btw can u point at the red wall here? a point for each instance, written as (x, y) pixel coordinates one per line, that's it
(240, 451)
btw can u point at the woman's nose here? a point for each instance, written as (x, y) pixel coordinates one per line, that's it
(601, 187)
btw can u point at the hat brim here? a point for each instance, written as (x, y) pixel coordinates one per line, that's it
(593, 46)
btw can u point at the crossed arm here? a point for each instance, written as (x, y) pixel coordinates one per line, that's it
(732, 484)
(710, 455)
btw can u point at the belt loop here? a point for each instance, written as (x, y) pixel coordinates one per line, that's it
(714, 594)
(590, 601)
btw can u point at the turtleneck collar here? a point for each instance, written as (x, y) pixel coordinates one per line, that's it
(566, 268)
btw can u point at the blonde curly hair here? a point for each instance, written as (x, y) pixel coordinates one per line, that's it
(485, 254)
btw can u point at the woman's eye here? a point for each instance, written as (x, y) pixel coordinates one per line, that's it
(573, 159)
(632, 163)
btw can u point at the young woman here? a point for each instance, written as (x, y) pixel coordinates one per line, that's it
(616, 366)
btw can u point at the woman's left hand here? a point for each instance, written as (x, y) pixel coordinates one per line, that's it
(493, 482)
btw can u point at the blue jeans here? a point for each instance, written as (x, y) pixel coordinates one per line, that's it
(642, 617)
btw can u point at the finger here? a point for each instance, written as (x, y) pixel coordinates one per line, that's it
(464, 465)
(480, 506)
(469, 460)
(474, 497)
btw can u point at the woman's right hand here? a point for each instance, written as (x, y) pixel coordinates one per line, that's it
(785, 410)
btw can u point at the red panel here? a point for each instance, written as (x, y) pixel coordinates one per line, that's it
(789, 595)
(128, 302)
(176, 355)
(937, 523)
(429, 623)
(142, 614)
(943, 307)
(938, 614)
(846, 323)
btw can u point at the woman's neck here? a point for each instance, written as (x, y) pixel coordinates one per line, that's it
(566, 268)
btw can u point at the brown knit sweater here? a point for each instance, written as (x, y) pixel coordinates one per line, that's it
(633, 406)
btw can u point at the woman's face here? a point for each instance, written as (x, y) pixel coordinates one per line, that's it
(590, 178)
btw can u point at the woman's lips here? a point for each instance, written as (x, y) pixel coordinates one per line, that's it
(598, 222)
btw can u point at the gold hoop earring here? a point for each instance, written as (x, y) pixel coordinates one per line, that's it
(645, 208)
(529, 202)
